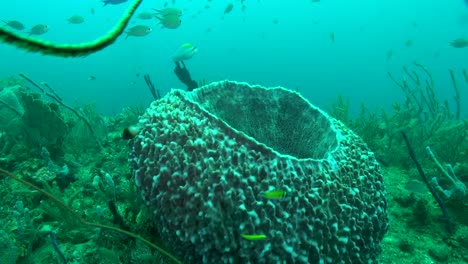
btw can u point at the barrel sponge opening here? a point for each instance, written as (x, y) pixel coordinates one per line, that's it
(268, 115)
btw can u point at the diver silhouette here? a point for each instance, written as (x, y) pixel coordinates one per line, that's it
(184, 75)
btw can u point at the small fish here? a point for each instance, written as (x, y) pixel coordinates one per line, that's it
(92, 11)
(14, 24)
(255, 237)
(409, 43)
(76, 19)
(275, 194)
(169, 21)
(113, 2)
(459, 43)
(168, 11)
(130, 132)
(39, 29)
(91, 78)
(416, 186)
(145, 16)
(185, 52)
(275, 21)
(228, 8)
(332, 37)
(138, 31)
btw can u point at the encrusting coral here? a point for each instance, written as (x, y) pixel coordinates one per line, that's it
(203, 159)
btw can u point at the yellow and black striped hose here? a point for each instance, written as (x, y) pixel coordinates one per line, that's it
(32, 44)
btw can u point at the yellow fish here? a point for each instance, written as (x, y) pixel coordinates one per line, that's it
(275, 194)
(185, 52)
(254, 237)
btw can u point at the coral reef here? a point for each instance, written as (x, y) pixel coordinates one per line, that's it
(29, 218)
(203, 160)
(11, 125)
(94, 181)
(428, 121)
(46, 126)
(439, 133)
(28, 123)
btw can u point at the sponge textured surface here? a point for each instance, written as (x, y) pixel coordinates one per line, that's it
(204, 158)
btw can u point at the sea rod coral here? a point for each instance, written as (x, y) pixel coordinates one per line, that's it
(204, 159)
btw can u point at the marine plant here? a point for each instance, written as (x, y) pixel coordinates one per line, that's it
(450, 188)
(340, 109)
(52, 94)
(427, 120)
(449, 224)
(429, 123)
(154, 91)
(69, 50)
(75, 219)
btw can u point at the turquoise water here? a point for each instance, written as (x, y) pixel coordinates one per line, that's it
(235, 173)
(248, 46)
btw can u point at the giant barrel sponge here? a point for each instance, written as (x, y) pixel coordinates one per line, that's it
(204, 160)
